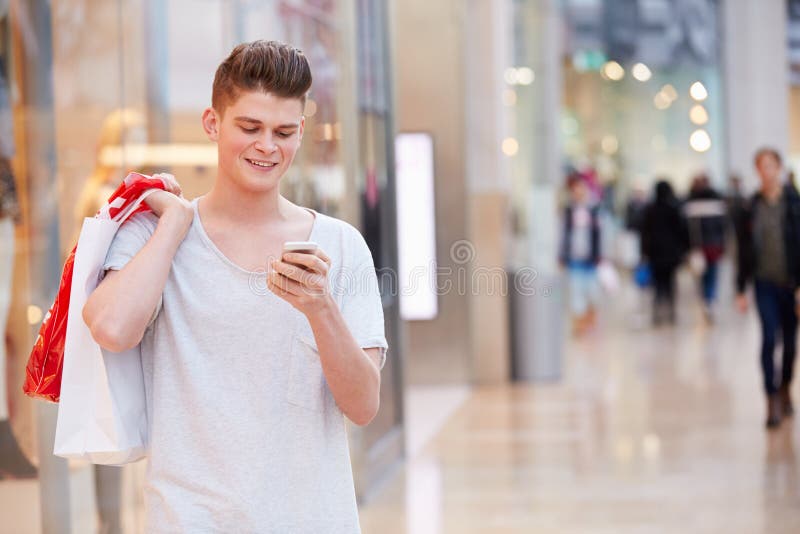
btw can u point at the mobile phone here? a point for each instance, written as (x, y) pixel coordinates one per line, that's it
(309, 247)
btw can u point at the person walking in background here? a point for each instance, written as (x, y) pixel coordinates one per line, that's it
(705, 212)
(13, 462)
(631, 236)
(580, 253)
(635, 208)
(769, 254)
(120, 127)
(665, 241)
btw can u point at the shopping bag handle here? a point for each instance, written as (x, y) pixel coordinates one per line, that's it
(123, 215)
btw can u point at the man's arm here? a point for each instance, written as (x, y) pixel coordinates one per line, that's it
(745, 253)
(119, 309)
(352, 374)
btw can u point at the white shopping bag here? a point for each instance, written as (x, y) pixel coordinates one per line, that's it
(628, 245)
(608, 276)
(102, 416)
(697, 262)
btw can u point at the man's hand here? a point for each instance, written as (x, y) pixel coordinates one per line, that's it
(171, 201)
(301, 279)
(741, 303)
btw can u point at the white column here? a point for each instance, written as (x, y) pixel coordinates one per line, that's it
(544, 23)
(487, 45)
(755, 55)
(538, 301)
(487, 51)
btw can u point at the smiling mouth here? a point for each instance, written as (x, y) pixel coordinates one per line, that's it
(262, 164)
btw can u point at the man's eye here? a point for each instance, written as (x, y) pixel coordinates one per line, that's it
(250, 130)
(284, 135)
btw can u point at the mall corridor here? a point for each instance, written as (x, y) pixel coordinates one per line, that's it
(494, 191)
(651, 431)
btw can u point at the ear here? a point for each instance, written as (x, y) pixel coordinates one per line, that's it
(302, 129)
(211, 124)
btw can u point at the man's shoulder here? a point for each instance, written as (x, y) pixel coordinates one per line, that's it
(791, 194)
(328, 224)
(143, 217)
(333, 232)
(144, 222)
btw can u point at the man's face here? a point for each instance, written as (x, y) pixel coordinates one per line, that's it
(768, 170)
(257, 137)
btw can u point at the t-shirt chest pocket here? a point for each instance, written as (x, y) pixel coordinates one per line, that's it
(307, 387)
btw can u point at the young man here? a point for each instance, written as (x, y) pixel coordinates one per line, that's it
(248, 371)
(769, 252)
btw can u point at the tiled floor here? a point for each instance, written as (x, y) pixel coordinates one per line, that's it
(651, 431)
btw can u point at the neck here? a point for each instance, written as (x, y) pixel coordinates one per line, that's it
(772, 191)
(242, 207)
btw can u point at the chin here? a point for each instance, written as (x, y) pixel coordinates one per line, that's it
(258, 184)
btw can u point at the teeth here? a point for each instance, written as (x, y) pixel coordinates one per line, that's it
(254, 162)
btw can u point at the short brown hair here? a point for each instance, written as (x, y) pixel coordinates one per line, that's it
(268, 66)
(767, 151)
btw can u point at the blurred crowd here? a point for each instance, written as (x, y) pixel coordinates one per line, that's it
(661, 232)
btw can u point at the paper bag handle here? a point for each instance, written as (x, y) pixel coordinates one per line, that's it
(123, 215)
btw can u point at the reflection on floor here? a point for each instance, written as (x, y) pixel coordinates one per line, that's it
(427, 409)
(650, 431)
(20, 502)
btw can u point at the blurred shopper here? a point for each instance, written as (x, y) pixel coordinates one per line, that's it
(705, 212)
(665, 241)
(120, 128)
(13, 462)
(580, 253)
(737, 204)
(769, 254)
(635, 208)
(631, 255)
(629, 240)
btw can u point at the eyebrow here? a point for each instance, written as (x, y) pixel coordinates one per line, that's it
(256, 121)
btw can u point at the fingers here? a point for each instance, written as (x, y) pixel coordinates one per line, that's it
(170, 183)
(283, 285)
(309, 280)
(324, 257)
(312, 262)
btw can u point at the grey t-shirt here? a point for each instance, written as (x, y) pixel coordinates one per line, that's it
(581, 238)
(245, 435)
(769, 238)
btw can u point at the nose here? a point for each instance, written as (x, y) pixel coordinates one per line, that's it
(266, 143)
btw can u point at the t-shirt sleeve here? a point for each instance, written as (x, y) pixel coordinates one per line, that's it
(128, 241)
(361, 299)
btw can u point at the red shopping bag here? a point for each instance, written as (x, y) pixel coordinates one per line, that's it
(45, 364)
